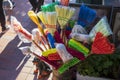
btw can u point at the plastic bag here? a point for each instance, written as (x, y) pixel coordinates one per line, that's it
(22, 33)
(78, 29)
(81, 37)
(25, 50)
(64, 54)
(102, 26)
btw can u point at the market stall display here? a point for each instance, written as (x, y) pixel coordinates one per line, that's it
(50, 44)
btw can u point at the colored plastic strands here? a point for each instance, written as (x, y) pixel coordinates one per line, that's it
(76, 53)
(102, 26)
(68, 64)
(34, 18)
(86, 16)
(101, 45)
(52, 19)
(49, 19)
(64, 14)
(57, 37)
(52, 63)
(50, 51)
(78, 46)
(49, 7)
(42, 17)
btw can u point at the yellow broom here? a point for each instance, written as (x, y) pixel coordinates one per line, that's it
(64, 13)
(34, 18)
(49, 19)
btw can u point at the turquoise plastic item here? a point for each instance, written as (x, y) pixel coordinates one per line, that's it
(49, 7)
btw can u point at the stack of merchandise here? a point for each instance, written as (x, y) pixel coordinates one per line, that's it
(60, 45)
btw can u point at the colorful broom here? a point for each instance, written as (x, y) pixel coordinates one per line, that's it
(34, 18)
(86, 15)
(38, 38)
(22, 32)
(49, 19)
(64, 14)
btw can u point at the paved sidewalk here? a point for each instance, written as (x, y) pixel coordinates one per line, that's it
(13, 64)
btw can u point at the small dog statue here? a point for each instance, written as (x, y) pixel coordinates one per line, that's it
(41, 67)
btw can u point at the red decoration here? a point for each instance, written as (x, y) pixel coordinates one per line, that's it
(67, 33)
(76, 53)
(57, 37)
(27, 35)
(64, 2)
(101, 45)
(54, 56)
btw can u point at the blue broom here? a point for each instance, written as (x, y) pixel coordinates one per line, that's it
(86, 16)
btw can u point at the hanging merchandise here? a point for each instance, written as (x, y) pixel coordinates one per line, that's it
(86, 15)
(102, 26)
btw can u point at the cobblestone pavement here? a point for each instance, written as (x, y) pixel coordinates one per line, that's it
(13, 64)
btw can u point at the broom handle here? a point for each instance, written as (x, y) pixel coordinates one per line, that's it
(37, 45)
(42, 42)
(41, 30)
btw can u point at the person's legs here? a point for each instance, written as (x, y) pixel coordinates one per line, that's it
(2, 16)
(13, 3)
(40, 3)
(34, 4)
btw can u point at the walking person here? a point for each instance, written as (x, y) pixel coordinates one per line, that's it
(36, 4)
(2, 18)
